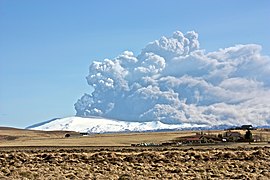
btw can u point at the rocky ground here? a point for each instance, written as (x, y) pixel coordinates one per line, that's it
(136, 163)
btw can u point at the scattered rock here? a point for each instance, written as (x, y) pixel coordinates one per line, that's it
(135, 163)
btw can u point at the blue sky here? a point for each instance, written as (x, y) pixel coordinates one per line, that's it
(46, 47)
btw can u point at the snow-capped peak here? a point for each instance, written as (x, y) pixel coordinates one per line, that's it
(102, 125)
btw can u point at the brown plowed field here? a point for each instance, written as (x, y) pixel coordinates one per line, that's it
(135, 163)
(55, 157)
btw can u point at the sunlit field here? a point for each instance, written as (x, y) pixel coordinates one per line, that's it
(49, 155)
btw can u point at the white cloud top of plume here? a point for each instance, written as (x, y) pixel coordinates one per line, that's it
(174, 81)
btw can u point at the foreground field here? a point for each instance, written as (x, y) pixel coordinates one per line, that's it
(28, 154)
(136, 163)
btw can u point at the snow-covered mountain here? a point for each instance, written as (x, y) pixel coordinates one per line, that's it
(102, 125)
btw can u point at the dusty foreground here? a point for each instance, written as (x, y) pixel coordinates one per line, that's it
(135, 163)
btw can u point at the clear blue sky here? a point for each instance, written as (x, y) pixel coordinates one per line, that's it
(47, 46)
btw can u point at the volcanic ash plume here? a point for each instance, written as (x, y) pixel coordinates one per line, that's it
(174, 81)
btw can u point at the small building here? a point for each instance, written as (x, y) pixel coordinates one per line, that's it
(247, 127)
(84, 133)
(197, 139)
(256, 138)
(232, 136)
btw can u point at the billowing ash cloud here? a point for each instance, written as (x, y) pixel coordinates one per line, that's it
(174, 81)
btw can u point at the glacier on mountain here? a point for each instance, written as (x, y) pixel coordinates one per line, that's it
(102, 125)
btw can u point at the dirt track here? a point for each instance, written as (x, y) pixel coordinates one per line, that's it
(135, 163)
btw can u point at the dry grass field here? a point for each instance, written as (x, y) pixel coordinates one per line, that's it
(17, 137)
(28, 154)
(20, 137)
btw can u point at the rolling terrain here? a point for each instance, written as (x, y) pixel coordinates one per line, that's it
(26, 137)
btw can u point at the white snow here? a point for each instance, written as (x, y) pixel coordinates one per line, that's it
(102, 125)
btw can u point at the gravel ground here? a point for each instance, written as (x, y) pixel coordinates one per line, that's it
(135, 163)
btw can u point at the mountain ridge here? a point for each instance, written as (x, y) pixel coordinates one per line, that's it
(103, 125)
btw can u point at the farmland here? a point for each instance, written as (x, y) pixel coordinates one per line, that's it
(28, 154)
